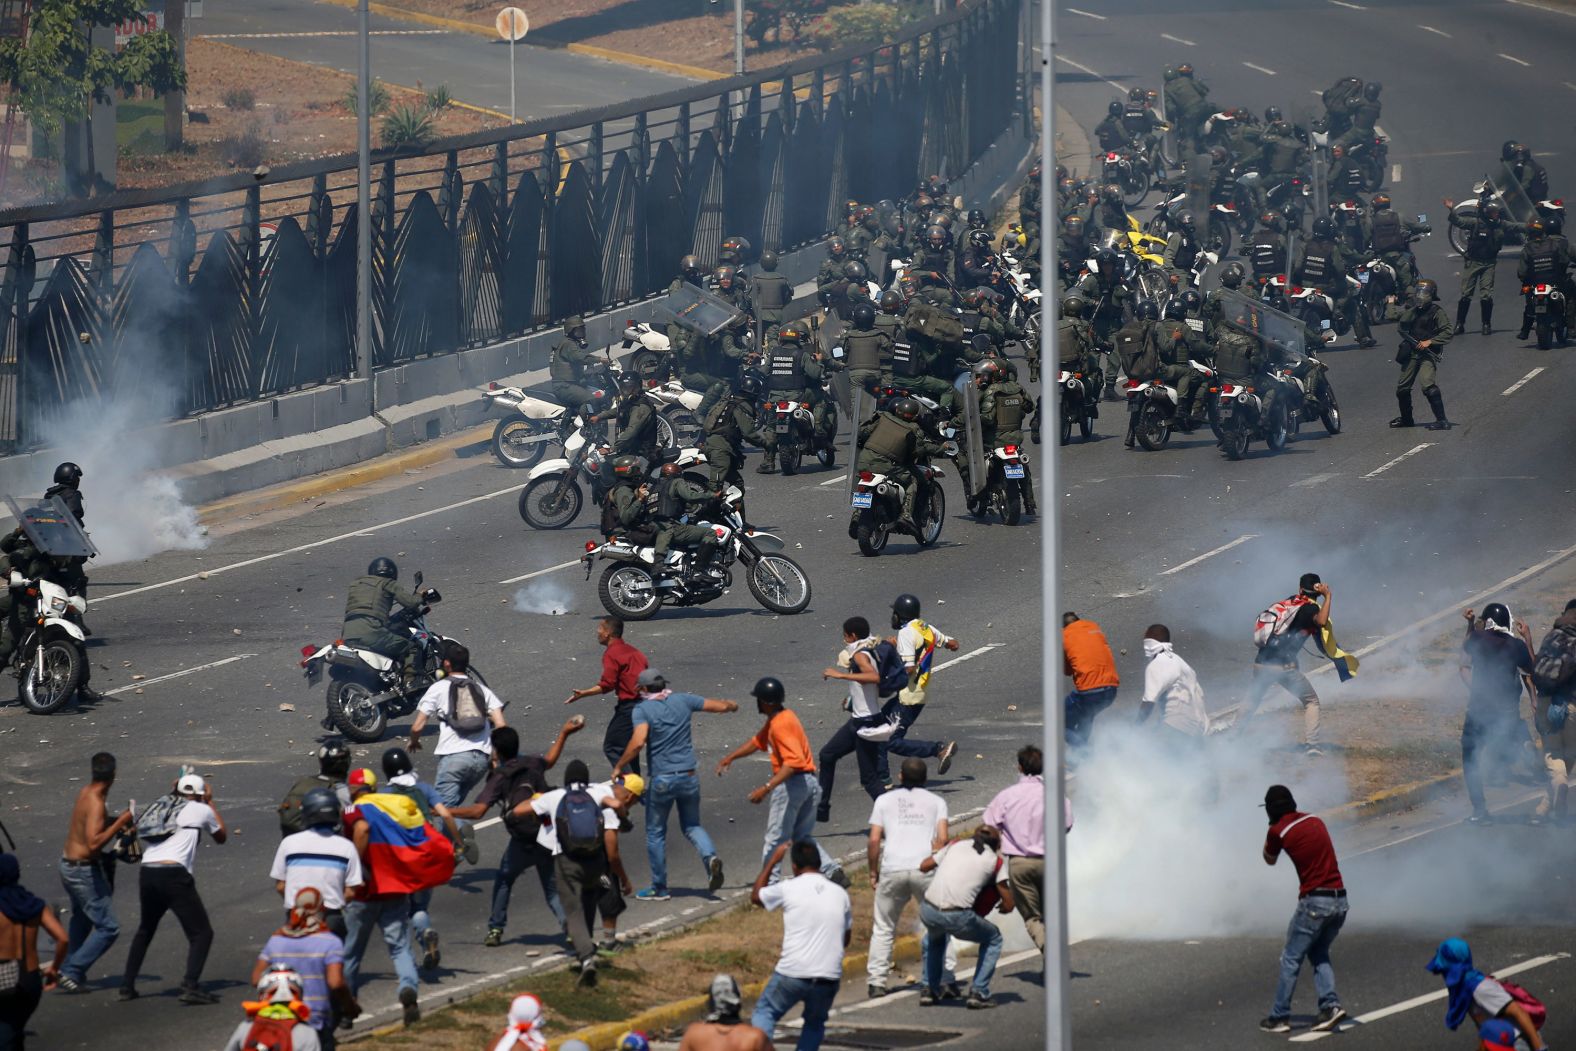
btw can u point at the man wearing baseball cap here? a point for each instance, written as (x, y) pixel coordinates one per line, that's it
(166, 883)
(1321, 909)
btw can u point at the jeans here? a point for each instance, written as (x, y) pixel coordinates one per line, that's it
(1268, 676)
(899, 744)
(792, 818)
(93, 925)
(866, 753)
(664, 793)
(392, 916)
(1082, 707)
(579, 889)
(518, 858)
(458, 774)
(964, 925)
(170, 888)
(893, 892)
(1494, 741)
(1313, 927)
(779, 996)
(620, 729)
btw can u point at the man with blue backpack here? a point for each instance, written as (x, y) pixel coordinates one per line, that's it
(875, 674)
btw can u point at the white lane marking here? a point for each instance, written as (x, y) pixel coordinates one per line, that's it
(540, 572)
(834, 481)
(1420, 833)
(1086, 14)
(1404, 456)
(1543, 7)
(365, 531)
(336, 32)
(1514, 387)
(140, 683)
(1436, 32)
(968, 656)
(1433, 997)
(1080, 67)
(1570, 85)
(1343, 3)
(1395, 172)
(1314, 479)
(1177, 40)
(1210, 554)
(1513, 58)
(1261, 69)
(913, 990)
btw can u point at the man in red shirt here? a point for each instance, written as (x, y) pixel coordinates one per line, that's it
(621, 668)
(1321, 909)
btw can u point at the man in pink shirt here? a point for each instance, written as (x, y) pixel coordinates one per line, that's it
(1018, 813)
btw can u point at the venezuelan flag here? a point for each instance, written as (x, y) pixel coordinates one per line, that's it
(925, 655)
(404, 852)
(1345, 663)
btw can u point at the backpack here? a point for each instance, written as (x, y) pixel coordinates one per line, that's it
(1274, 622)
(579, 823)
(926, 319)
(1135, 352)
(290, 807)
(1387, 233)
(270, 1034)
(1340, 95)
(1554, 667)
(890, 667)
(157, 822)
(467, 708)
(1536, 1012)
(525, 774)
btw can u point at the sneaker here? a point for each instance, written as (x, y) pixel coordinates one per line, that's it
(430, 954)
(494, 937)
(191, 994)
(714, 874)
(1276, 1025)
(875, 992)
(468, 848)
(1481, 818)
(839, 877)
(587, 973)
(410, 1013)
(652, 894)
(67, 984)
(944, 757)
(608, 947)
(977, 1002)
(952, 991)
(126, 993)
(1329, 1018)
(929, 998)
(823, 815)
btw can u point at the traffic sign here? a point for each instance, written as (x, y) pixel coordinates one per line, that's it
(513, 24)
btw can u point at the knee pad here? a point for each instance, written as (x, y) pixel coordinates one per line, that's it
(1429, 392)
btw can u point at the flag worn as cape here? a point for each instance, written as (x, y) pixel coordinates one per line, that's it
(404, 852)
(1345, 663)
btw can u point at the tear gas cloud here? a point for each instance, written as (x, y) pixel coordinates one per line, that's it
(544, 597)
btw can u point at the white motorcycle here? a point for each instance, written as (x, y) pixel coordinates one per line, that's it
(534, 420)
(1024, 310)
(51, 656)
(635, 585)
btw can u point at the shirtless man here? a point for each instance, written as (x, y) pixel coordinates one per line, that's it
(723, 1030)
(88, 876)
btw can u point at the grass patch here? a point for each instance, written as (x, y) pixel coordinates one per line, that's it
(139, 126)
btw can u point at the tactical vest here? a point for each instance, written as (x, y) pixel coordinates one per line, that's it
(1009, 408)
(971, 324)
(1171, 343)
(785, 368)
(669, 506)
(771, 291)
(1234, 355)
(889, 439)
(1186, 254)
(1135, 119)
(862, 350)
(561, 369)
(1388, 236)
(1283, 155)
(1483, 242)
(1543, 260)
(1317, 267)
(1133, 350)
(1267, 254)
(719, 420)
(1070, 343)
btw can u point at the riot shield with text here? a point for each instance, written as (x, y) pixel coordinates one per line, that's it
(696, 309)
(973, 434)
(1283, 336)
(52, 528)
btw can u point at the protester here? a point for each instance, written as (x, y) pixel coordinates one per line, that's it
(333, 766)
(400, 779)
(954, 906)
(306, 946)
(167, 884)
(1288, 624)
(817, 925)
(89, 876)
(1496, 664)
(1483, 997)
(319, 858)
(1018, 814)
(1170, 684)
(870, 722)
(1554, 676)
(515, 780)
(278, 1018)
(527, 1027)
(22, 913)
(1321, 909)
(723, 1029)
(1087, 658)
(467, 713)
(621, 668)
(916, 643)
(662, 727)
(906, 826)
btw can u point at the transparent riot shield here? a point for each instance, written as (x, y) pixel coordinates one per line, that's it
(863, 406)
(1200, 179)
(52, 528)
(696, 309)
(1521, 207)
(1283, 336)
(973, 434)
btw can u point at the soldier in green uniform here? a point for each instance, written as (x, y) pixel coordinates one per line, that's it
(1425, 329)
(730, 420)
(636, 418)
(831, 272)
(1075, 345)
(1545, 259)
(731, 288)
(1485, 235)
(795, 373)
(1135, 350)
(866, 231)
(1187, 103)
(935, 333)
(891, 443)
(1004, 405)
(1175, 345)
(367, 607)
(1104, 288)
(724, 354)
(1390, 236)
(867, 349)
(770, 292)
(566, 367)
(1280, 157)
(624, 510)
(677, 497)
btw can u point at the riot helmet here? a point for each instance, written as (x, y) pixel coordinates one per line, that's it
(68, 473)
(864, 314)
(906, 409)
(384, 567)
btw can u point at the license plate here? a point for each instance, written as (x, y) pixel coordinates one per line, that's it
(1013, 470)
(861, 499)
(1362, 277)
(1324, 324)
(1226, 414)
(782, 428)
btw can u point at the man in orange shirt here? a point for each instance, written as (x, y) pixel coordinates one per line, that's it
(793, 787)
(1086, 656)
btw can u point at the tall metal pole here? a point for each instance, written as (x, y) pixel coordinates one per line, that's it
(1058, 1022)
(738, 38)
(364, 206)
(511, 75)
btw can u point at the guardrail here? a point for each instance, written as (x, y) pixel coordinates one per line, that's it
(194, 297)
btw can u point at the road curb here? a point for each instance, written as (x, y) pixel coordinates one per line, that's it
(1393, 800)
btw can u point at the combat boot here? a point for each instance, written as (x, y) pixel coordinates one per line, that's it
(1436, 401)
(1487, 306)
(1463, 305)
(768, 463)
(1404, 400)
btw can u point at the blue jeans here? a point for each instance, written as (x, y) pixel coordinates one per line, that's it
(664, 793)
(964, 925)
(1313, 927)
(93, 925)
(458, 775)
(517, 858)
(1082, 707)
(392, 916)
(899, 744)
(779, 996)
(792, 818)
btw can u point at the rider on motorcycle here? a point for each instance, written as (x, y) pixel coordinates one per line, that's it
(795, 372)
(1390, 237)
(1187, 103)
(367, 607)
(727, 423)
(770, 291)
(893, 442)
(636, 418)
(1175, 344)
(1280, 158)
(566, 368)
(867, 349)
(1075, 345)
(1112, 131)
(1231, 277)
(1243, 359)
(1364, 115)
(1529, 173)
(1267, 251)
(1545, 260)
(1324, 264)
(677, 499)
(1144, 126)
(1182, 247)
(977, 263)
(1003, 407)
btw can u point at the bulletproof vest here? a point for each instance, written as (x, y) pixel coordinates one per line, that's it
(1171, 341)
(862, 349)
(719, 420)
(1388, 236)
(1135, 118)
(370, 598)
(889, 439)
(906, 361)
(1234, 355)
(1317, 267)
(785, 368)
(1132, 349)
(561, 369)
(1267, 254)
(1010, 407)
(971, 324)
(1283, 155)
(1186, 255)
(1070, 343)
(1482, 241)
(771, 291)
(669, 505)
(1543, 259)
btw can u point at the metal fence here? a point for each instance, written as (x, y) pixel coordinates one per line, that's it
(195, 297)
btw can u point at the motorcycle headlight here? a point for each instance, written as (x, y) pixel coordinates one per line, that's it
(57, 605)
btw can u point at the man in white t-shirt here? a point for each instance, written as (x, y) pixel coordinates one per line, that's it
(906, 825)
(166, 884)
(817, 924)
(464, 755)
(950, 907)
(1169, 682)
(319, 857)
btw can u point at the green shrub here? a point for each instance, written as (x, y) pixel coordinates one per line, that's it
(377, 98)
(439, 99)
(407, 127)
(239, 98)
(856, 23)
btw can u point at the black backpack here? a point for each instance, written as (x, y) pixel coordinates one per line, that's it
(1387, 233)
(527, 778)
(579, 823)
(1554, 668)
(290, 807)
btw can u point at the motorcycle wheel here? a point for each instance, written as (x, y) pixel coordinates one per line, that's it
(683, 425)
(789, 457)
(1221, 231)
(509, 444)
(1545, 335)
(1331, 414)
(935, 515)
(543, 508)
(646, 362)
(1279, 430)
(61, 663)
(871, 534)
(1067, 429)
(666, 439)
(780, 584)
(1136, 187)
(628, 591)
(1014, 511)
(350, 706)
(1235, 444)
(1154, 430)
(827, 453)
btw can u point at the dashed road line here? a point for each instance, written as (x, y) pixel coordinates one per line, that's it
(1404, 456)
(834, 481)
(1436, 32)
(1261, 69)
(140, 683)
(1544, 7)
(541, 572)
(1086, 14)
(1344, 3)
(1210, 554)
(968, 656)
(1080, 67)
(1177, 40)
(322, 33)
(1514, 387)
(1513, 58)
(1395, 172)
(1315, 479)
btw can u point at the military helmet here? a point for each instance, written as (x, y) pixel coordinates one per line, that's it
(906, 409)
(629, 381)
(864, 314)
(891, 301)
(1271, 114)
(769, 261)
(626, 466)
(1073, 306)
(1115, 108)
(791, 333)
(1536, 229)
(1380, 202)
(725, 273)
(1272, 221)
(937, 236)
(1281, 128)
(384, 567)
(1170, 73)
(1176, 310)
(1233, 275)
(976, 217)
(1105, 257)
(574, 323)
(1185, 69)
(689, 266)
(670, 470)
(735, 250)
(1191, 300)
(1149, 310)
(987, 372)
(68, 473)
(769, 690)
(980, 238)
(855, 270)
(1218, 155)
(751, 383)
(1187, 220)
(1491, 212)
(1135, 94)
(1073, 225)
(1427, 290)
(1323, 228)
(1111, 192)
(836, 247)
(1371, 90)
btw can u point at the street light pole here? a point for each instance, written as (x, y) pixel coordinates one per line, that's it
(364, 206)
(738, 38)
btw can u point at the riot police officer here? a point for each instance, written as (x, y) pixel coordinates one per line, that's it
(831, 271)
(566, 367)
(68, 486)
(727, 423)
(1112, 131)
(625, 510)
(731, 288)
(638, 433)
(1544, 260)
(1266, 253)
(367, 607)
(1425, 329)
(1004, 405)
(1182, 247)
(794, 373)
(1323, 264)
(1485, 235)
(892, 442)
(867, 350)
(770, 291)
(1390, 236)
(1187, 103)
(1176, 346)
(689, 274)
(1135, 350)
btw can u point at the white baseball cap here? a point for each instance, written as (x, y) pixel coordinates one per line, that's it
(191, 785)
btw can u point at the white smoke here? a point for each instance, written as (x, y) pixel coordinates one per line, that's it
(544, 597)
